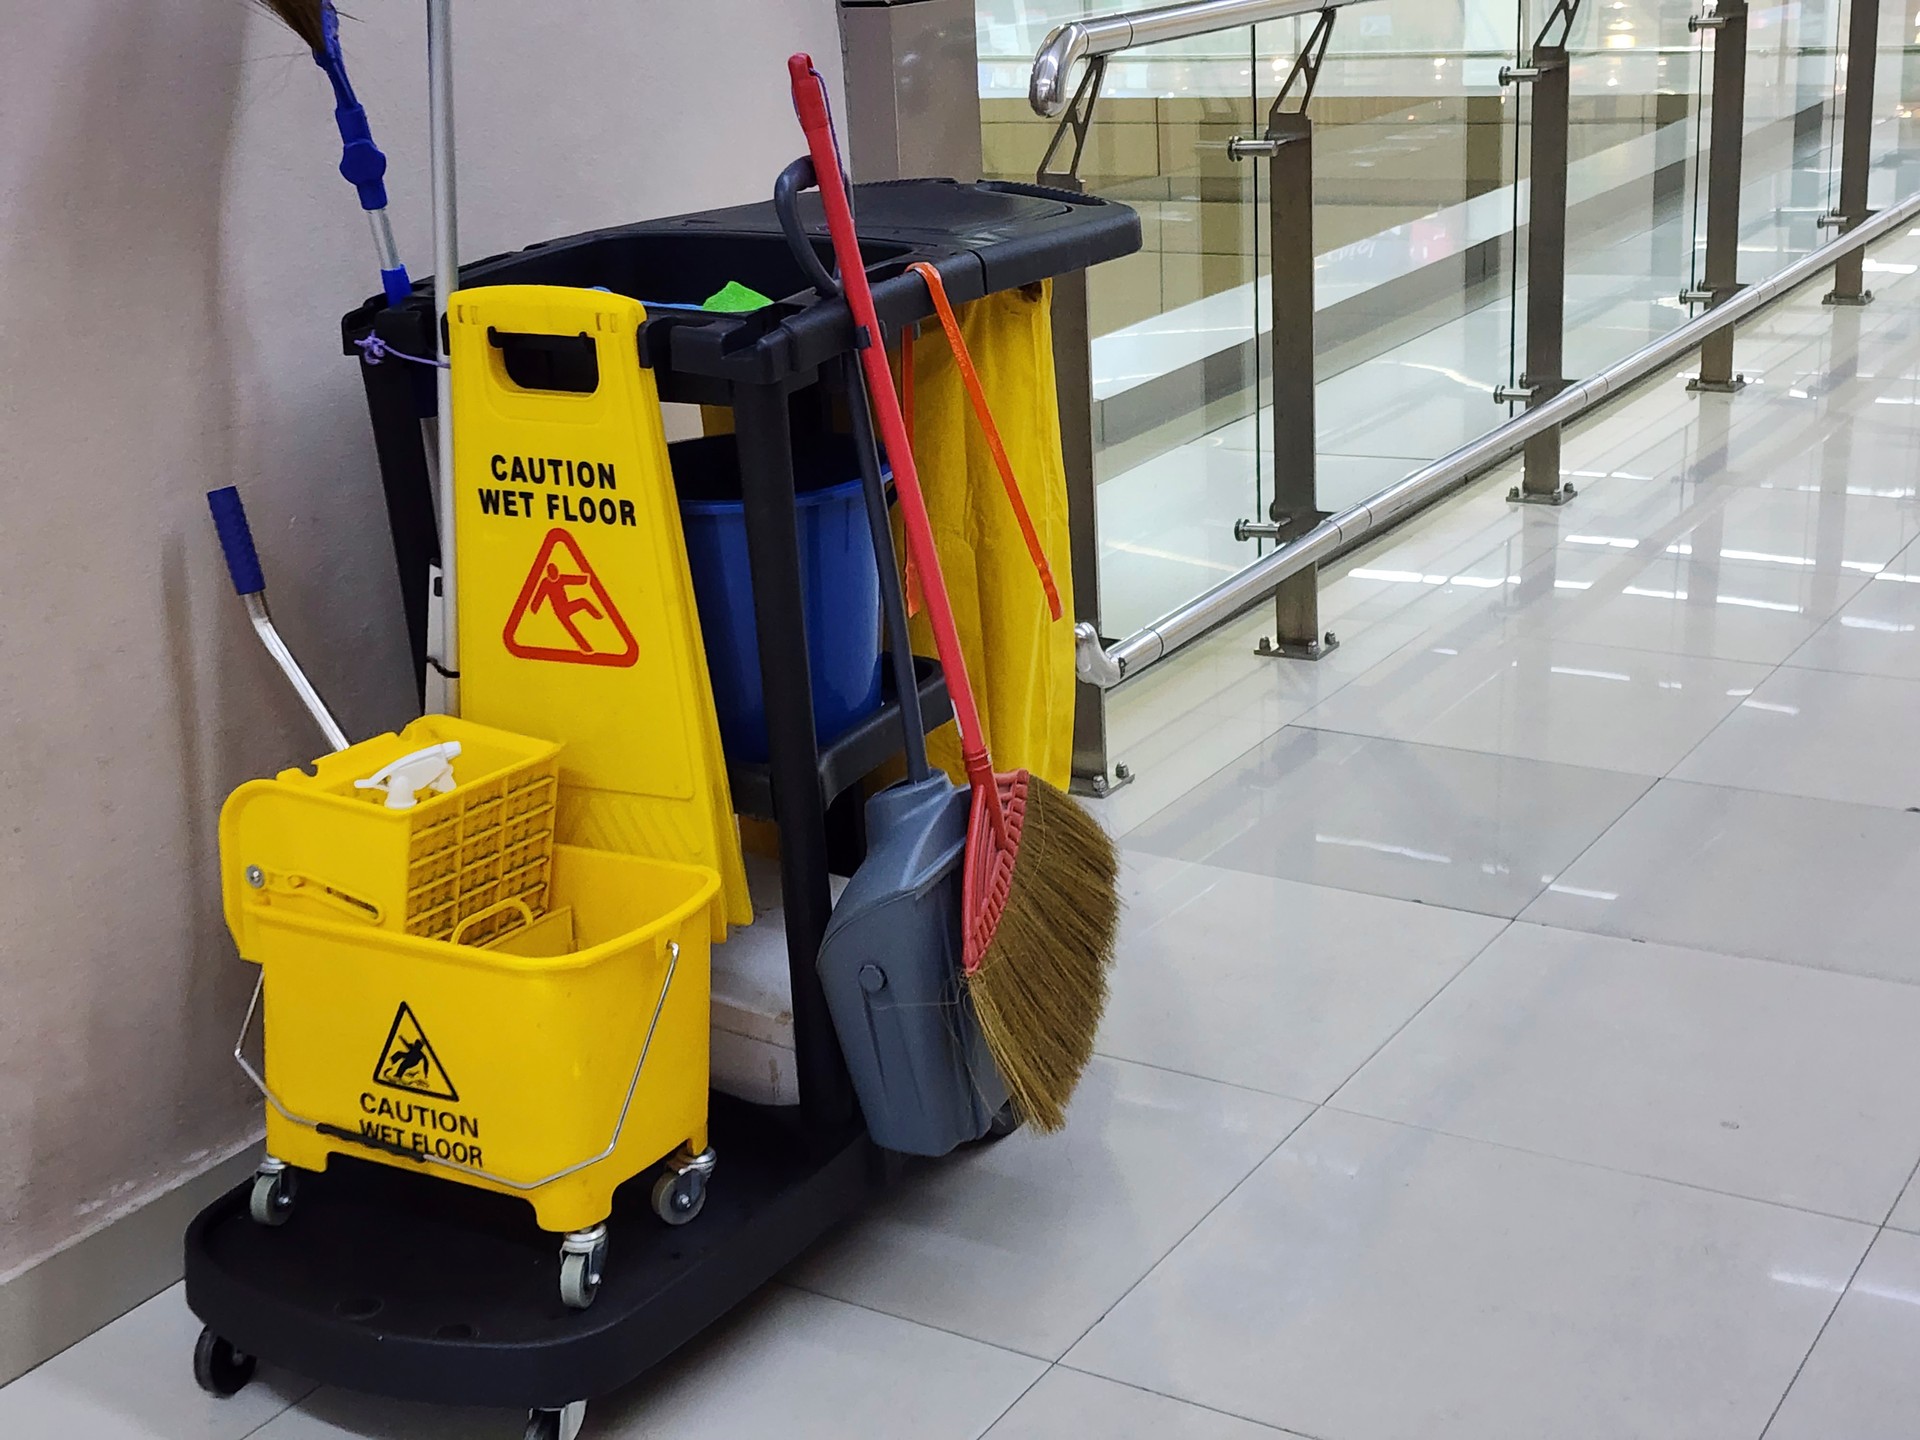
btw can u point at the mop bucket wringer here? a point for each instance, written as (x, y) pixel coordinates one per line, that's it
(550, 1043)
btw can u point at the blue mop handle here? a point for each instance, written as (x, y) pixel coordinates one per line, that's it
(362, 163)
(236, 541)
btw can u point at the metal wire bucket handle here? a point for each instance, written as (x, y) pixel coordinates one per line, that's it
(341, 1133)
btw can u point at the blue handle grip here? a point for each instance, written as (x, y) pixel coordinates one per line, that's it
(236, 541)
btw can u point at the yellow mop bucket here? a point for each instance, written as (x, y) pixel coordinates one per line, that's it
(553, 1064)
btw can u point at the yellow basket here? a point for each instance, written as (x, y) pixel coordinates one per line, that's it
(315, 844)
(555, 1064)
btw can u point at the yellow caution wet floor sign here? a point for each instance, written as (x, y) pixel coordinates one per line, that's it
(576, 613)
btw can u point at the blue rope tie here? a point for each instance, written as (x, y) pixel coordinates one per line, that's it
(373, 350)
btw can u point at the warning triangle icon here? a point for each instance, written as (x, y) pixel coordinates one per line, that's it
(407, 1061)
(564, 613)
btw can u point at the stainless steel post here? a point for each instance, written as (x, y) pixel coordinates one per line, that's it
(1856, 149)
(1287, 147)
(1552, 79)
(1296, 504)
(1721, 279)
(1094, 772)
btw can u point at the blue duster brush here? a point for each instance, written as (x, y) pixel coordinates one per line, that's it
(317, 24)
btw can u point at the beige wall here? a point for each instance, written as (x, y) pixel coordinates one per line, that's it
(175, 253)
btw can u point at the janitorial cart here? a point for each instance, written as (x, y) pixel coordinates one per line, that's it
(478, 1031)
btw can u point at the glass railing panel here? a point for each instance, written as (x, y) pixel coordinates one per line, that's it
(1421, 227)
(1173, 326)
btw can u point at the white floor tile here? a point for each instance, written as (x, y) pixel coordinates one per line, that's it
(1906, 1215)
(1066, 1403)
(1786, 529)
(1027, 1242)
(133, 1380)
(331, 1414)
(1877, 632)
(1764, 1080)
(1176, 726)
(1813, 732)
(1860, 1382)
(803, 1367)
(1373, 1281)
(1686, 605)
(1777, 877)
(1554, 700)
(1269, 983)
(1446, 827)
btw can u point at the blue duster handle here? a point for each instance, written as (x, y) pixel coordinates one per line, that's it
(236, 541)
(362, 163)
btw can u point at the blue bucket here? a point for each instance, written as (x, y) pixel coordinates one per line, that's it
(839, 587)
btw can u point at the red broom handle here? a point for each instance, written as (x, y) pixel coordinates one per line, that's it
(983, 413)
(810, 103)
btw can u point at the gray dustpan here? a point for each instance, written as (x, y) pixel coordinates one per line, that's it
(890, 960)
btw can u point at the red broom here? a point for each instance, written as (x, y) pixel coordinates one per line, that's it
(1041, 902)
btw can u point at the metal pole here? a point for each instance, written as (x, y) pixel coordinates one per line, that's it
(1093, 772)
(1109, 666)
(1296, 505)
(1856, 149)
(446, 279)
(1722, 273)
(1287, 146)
(1547, 269)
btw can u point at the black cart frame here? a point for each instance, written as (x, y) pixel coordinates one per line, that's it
(399, 1283)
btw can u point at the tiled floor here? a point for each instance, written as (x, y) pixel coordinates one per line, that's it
(1517, 1029)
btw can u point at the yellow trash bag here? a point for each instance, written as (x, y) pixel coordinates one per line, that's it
(1019, 658)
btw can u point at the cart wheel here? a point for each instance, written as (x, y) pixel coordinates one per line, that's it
(678, 1199)
(557, 1424)
(271, 1200)
(219, 1368)
(580, 1276)
(1005, 1121)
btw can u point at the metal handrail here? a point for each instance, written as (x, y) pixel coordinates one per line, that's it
(1108, 667)
(1068, 45)
(1077, 40)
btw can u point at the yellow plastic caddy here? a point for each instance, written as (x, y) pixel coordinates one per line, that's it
(554, 1060)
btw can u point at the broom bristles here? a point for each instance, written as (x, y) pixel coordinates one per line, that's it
(303, 17)
(1041, 986)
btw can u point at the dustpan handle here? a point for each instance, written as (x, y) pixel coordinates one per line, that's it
(810, 103)
(797, 177)
(892, 602)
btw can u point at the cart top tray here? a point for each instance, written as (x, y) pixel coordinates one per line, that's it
(983, 237)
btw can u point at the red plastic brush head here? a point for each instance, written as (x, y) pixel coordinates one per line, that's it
(988, 878)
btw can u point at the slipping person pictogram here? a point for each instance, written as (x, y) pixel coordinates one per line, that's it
(564, 612)
(554, 591)
(407, 1060)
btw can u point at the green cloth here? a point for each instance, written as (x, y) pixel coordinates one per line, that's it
(736, 299)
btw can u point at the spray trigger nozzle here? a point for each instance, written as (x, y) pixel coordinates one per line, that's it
(402, 781)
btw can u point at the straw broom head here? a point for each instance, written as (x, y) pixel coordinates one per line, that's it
(1041, 985)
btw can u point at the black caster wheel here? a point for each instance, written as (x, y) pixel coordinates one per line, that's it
(219, 1368)
(679, 1198)
(1003, 1124)
(580, 1276)
(270, 1201)
(557, 1424)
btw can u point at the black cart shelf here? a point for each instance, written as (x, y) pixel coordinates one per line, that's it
(400, 1284)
